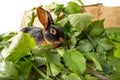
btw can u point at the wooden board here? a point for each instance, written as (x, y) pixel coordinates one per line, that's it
(110, 14)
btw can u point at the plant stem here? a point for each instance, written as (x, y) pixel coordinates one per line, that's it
(38, 70)
(100, 76)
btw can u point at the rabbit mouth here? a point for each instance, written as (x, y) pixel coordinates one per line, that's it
(55, 44)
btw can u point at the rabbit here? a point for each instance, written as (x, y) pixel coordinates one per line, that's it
(49, 34)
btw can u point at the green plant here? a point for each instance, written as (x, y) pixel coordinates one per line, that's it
(89, 52)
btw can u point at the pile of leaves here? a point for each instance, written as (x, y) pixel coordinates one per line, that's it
(89, 52)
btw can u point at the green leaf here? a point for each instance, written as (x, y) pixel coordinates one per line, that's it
(20, 46)
(31, 18)
(24, 69)
(54, 58)
(113, 33)
(7, 36)
(71, 76)
(59, 8)
(46, 53)
(74, 40)
(96, 28)
(75, 61)
(8, 71)
(92, 57)
(40, 51)
(84, 46)
(106, 66)
(39, 61)
(63, 22)
(73, 8)
(61, 51)
(55, 70)
(66, 27)
(5, 39)
(116, 49)
(104, 44)
(79, 21)
(115, 62)
(90, 77)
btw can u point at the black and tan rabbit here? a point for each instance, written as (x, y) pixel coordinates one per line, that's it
(49, 34)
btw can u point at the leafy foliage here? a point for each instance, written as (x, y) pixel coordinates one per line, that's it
(75, 61)
(89, 52)
(73, 7)
(20, 46)
(96, 28)
(8, 71)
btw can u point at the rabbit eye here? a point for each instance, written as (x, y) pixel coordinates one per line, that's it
(53, 31)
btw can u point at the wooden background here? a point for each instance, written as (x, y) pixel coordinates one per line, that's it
(99, 11)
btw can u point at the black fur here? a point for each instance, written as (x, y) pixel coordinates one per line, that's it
(35, 32)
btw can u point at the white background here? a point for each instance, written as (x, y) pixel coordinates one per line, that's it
(11, 11)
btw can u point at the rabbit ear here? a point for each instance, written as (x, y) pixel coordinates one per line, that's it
(44, 17)
(50, 20)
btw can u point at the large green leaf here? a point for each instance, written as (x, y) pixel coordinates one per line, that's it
(8, 71)
(96, 28)
(84, 46)
(73, 8)
(75, 61)
(20, 46)
(80, 21)
(113, 33)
